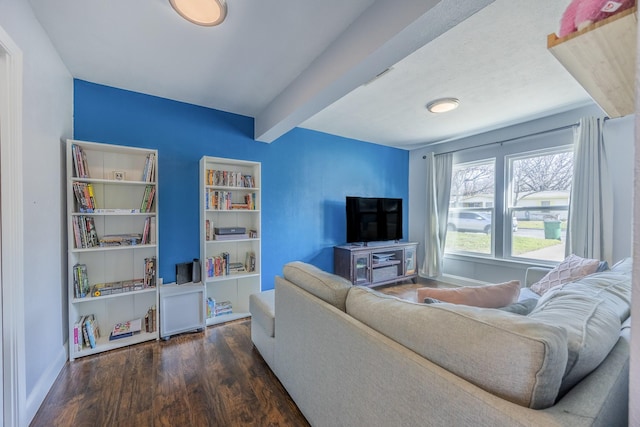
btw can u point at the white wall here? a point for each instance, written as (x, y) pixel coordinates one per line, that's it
(47, 119)
(619, 142)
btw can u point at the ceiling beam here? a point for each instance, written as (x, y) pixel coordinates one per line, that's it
(385, 33)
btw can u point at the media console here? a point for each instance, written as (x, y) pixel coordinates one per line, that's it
(376, 264)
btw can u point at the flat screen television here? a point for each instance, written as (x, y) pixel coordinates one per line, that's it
(373, 219)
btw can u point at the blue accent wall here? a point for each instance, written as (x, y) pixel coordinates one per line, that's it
(305, 174)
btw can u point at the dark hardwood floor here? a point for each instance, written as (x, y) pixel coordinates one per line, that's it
(210, 378)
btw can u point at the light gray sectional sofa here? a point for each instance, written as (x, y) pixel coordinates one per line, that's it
(351, 356)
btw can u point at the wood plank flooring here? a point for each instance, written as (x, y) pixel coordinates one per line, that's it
(210, 378)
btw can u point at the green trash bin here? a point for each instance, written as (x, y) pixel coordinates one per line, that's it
(552, 230)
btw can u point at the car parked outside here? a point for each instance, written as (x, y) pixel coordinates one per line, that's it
(474, 221)
(469, 221)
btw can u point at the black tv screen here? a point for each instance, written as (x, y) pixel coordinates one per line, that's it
(373, 219)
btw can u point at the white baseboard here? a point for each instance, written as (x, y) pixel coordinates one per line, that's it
(44, 384)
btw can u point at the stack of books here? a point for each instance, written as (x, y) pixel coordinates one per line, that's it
(86, 332)
(131, 239)
(222, 308)
(126, 329)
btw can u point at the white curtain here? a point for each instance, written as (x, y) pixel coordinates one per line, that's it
(438, 188)
(590, 228)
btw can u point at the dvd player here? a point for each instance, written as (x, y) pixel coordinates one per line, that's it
(229, 230)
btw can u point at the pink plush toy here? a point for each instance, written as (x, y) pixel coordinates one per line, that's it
(581, 13)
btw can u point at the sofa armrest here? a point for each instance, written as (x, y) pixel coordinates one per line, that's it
(534, 274)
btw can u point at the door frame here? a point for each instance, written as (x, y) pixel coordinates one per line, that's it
(13, 392)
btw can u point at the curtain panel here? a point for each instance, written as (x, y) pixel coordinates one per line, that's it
(438, 189)
(590, 227)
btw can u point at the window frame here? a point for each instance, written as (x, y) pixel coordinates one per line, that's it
(502, 229)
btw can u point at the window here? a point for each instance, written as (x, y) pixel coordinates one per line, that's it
(470, 225)
(511, 206)
(540, 185)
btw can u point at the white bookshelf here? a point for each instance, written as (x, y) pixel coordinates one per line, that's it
(234, 287)
(117, 272)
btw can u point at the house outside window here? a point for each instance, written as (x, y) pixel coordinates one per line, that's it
(518, 210)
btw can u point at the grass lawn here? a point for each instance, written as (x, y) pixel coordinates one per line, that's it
(538, 225)
(480, 242)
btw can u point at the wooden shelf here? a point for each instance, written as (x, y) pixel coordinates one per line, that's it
(602, 58)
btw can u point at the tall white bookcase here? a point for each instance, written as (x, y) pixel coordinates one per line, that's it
(113, 238)
(230, 203)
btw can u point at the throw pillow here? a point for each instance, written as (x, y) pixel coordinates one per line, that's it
(602, 266)
(523, 307)
(489, 296)
(572, 268)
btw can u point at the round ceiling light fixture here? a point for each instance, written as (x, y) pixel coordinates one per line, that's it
(443, 105)
(201, 12)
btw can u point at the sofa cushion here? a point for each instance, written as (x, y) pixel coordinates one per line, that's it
(623, 266)
(526, 293)
(326, 286)
(489, 296)
(613, 288)
(514, 357)
(592, 330)
(572, 268)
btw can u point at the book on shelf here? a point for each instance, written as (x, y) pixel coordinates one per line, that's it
(150, 272)
(150, 319)
(127, 239)
(148, 174)
(85, 197)
(250, 201)
(222, 308)
(250, 261)
(78, 334)
(80, 280)
(218, 200)
(218, 265)
(236, 267)
(149, 231)
(118, 287)
(148, 198)
(80, 167)
(91, 331)
(211, 307)
(208, 230)
(116, 210)
(152, 230)
(84, 232)
(126, 329)
(228, 178)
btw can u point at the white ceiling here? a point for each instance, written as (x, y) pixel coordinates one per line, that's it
(305, 63)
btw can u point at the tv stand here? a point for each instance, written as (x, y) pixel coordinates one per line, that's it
(376, 264)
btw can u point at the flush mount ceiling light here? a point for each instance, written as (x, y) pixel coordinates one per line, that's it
(443, 105)
(201, 12)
